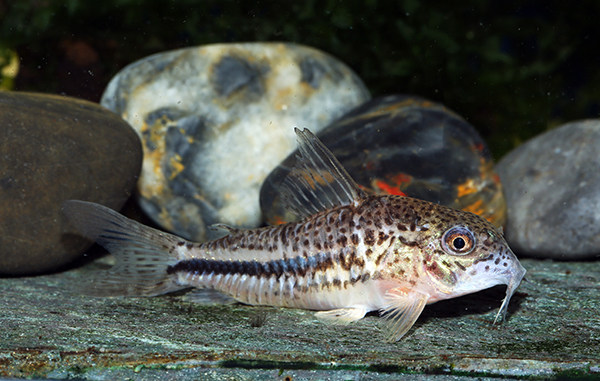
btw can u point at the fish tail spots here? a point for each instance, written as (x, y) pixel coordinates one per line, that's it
(142, 254)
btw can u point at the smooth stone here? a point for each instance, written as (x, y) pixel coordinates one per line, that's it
(56, 148)
(552, 187)
(406, 145)
(215, 120)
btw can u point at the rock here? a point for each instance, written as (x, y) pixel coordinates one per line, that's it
(552, 186)
(215, 120)
(56, 148)
(551, 333)
(409, 146)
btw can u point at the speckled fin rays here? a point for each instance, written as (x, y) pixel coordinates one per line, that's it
(318, 181)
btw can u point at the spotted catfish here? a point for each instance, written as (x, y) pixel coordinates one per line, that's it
(350, 254)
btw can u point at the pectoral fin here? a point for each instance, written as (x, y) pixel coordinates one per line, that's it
(342, 316)
(402, 311)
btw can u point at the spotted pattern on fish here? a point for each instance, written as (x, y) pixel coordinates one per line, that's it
(331, 251)
(353, 253)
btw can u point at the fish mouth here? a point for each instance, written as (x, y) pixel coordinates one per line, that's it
(515, 278)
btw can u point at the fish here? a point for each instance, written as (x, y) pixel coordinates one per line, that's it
(351, 252)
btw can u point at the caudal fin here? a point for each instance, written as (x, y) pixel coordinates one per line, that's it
(142, 254)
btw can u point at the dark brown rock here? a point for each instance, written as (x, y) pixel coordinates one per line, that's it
(406, 145)
(52, 149)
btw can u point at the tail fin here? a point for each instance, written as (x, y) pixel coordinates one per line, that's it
(143, 254)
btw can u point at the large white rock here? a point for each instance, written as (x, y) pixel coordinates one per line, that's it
(215, 120)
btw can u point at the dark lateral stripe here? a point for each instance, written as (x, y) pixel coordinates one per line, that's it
(292, 266)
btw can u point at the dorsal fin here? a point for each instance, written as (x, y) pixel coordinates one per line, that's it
(217, 231)
(318, 181)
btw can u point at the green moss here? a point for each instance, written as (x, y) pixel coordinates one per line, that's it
(307, 365)
(574, 375)
(576, 345)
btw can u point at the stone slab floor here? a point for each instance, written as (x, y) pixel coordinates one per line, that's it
(47, 330)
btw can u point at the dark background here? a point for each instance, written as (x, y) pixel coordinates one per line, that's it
(512, 68)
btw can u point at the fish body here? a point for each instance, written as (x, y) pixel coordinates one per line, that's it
(350, 254)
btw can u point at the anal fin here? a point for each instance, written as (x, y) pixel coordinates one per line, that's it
(342, 315)
(402, 311)
(207, 296)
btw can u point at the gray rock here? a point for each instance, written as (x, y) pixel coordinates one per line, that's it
(552, 186)
(215, 120)
(54, 149)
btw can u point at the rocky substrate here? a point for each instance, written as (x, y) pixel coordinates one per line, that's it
(48, 330)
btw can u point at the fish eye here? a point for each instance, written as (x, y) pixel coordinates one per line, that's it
(458, 241)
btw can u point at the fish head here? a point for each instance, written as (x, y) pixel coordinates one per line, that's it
(465, 254)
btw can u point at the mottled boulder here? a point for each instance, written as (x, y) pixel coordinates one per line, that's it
(215, 120)
(53, 149)
(552, 186)
(410, 146)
